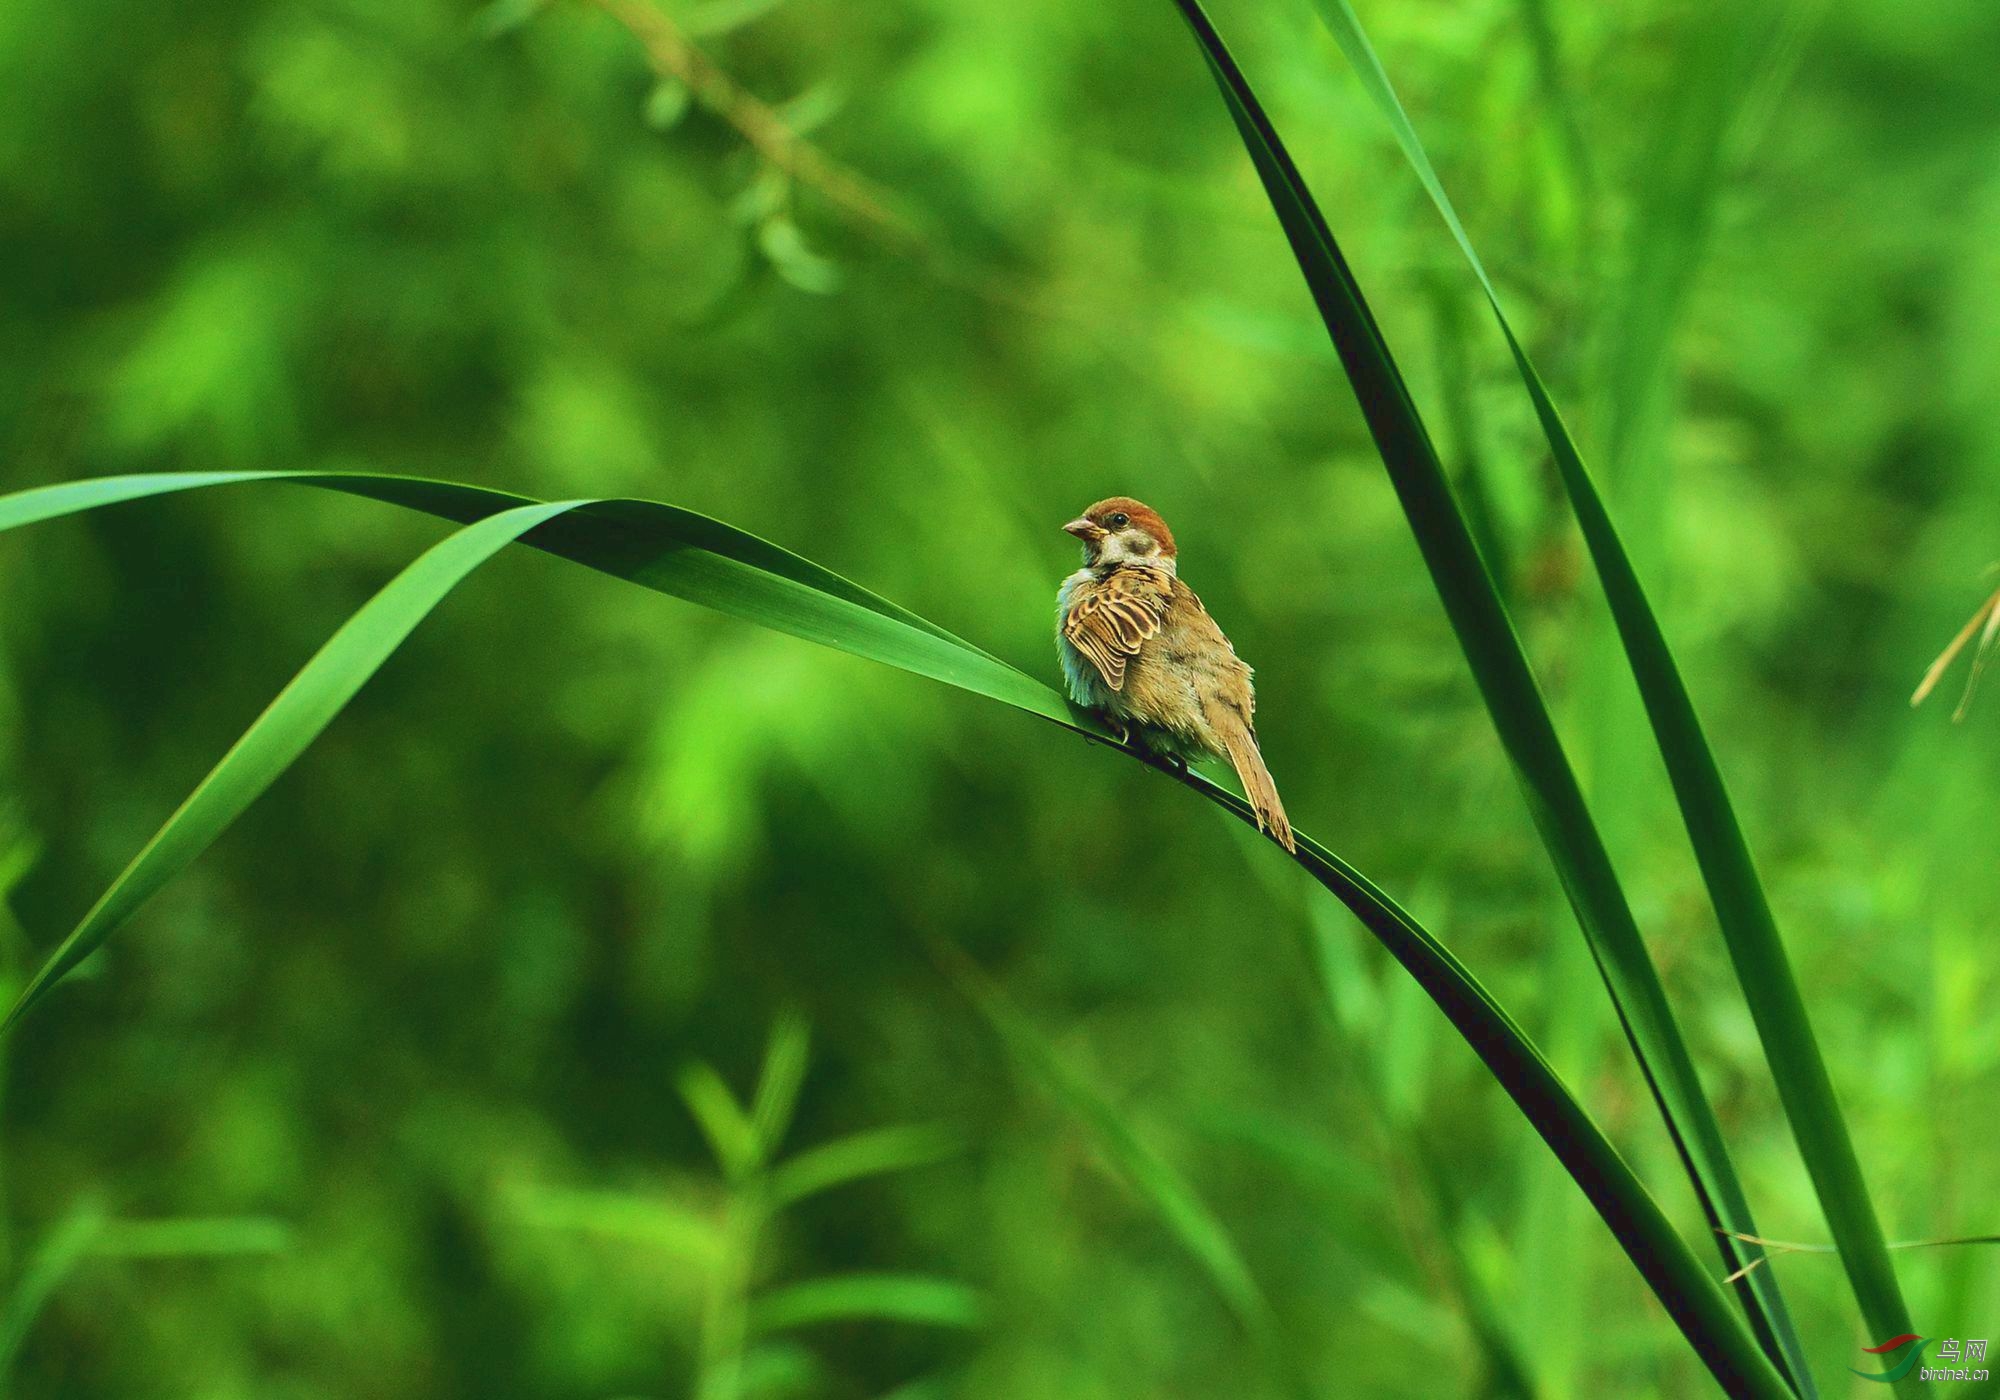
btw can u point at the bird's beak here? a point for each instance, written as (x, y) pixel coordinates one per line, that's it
(1088, 531)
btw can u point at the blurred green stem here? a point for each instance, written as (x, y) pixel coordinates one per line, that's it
(61, 1250)
(1553, 80)
(1461, 416)
(725, 1328)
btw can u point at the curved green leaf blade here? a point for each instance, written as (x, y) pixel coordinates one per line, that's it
(732, 1137)
(911, 1298)
(594, 538)
(647, 543)
(874, 1152)
(779, 1082)
(1749, 929)
(1507, 685)
(1693, 1298)
(39, 503)
(194, 1237)
(1149, 1174)
(869, 627)
(293, 720)
(66, 1246)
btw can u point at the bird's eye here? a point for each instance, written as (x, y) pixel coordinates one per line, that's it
(1118, 520)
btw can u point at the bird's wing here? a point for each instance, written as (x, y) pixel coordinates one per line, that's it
(1110, 619)
(1228, 702)
(1232, 679)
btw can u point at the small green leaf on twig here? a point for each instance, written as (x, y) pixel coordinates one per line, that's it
(913, 1298)
(862, 1155)
(813, 108)
(778, 1085)
(730, 1133)
(668, 103)
(795, 260)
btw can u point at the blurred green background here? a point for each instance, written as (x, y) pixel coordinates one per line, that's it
(401, 1092)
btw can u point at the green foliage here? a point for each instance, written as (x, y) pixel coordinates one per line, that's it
(707, 561)
(675, 552)
(1744, 911)
(425, 1005)
(86, 1233)
(741, 1316)
(1148, 1173)
(1513, 698)
(293, 720)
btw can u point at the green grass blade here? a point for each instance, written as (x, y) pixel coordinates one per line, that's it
(1690, 1294)
(40, 503)
(1506, 683)
(652, 1220)
(1560, 96)
(67, 1245)
(908, 1298)
(875, 1152)
(1743, 911)
(193, 1237)
(1152, 1176)
(658, 546)
(644, 543)
(1506, 1370)
(1367, 1025)
(299, 714)
(731, 1136)
(779, 1082)
(87, 1232)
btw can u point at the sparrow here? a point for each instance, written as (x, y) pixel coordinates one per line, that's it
(1137, 646)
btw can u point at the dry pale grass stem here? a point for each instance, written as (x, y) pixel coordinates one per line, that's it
(1778, 1247)
(1985, 624)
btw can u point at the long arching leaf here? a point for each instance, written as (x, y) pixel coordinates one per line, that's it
(287, 727)
(1507, 685)
(1749, 930)
(677, 552)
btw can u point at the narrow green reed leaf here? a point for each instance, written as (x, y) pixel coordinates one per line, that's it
(652, 531)
(296, 718)
(910, 1298)
(1690, 1294)
(193, 1237)
(1512, 696)
(677, 552)
(778, 1084)
(732, 1137)
(1151, 1175)
(67, 1244)
(1749, 929)
(874, 1152)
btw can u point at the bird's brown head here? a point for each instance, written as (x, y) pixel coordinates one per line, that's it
(1121, 530)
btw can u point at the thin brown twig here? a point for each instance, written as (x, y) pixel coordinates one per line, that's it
(674, 55)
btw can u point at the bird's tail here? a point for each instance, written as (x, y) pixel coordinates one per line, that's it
(1241, 745)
